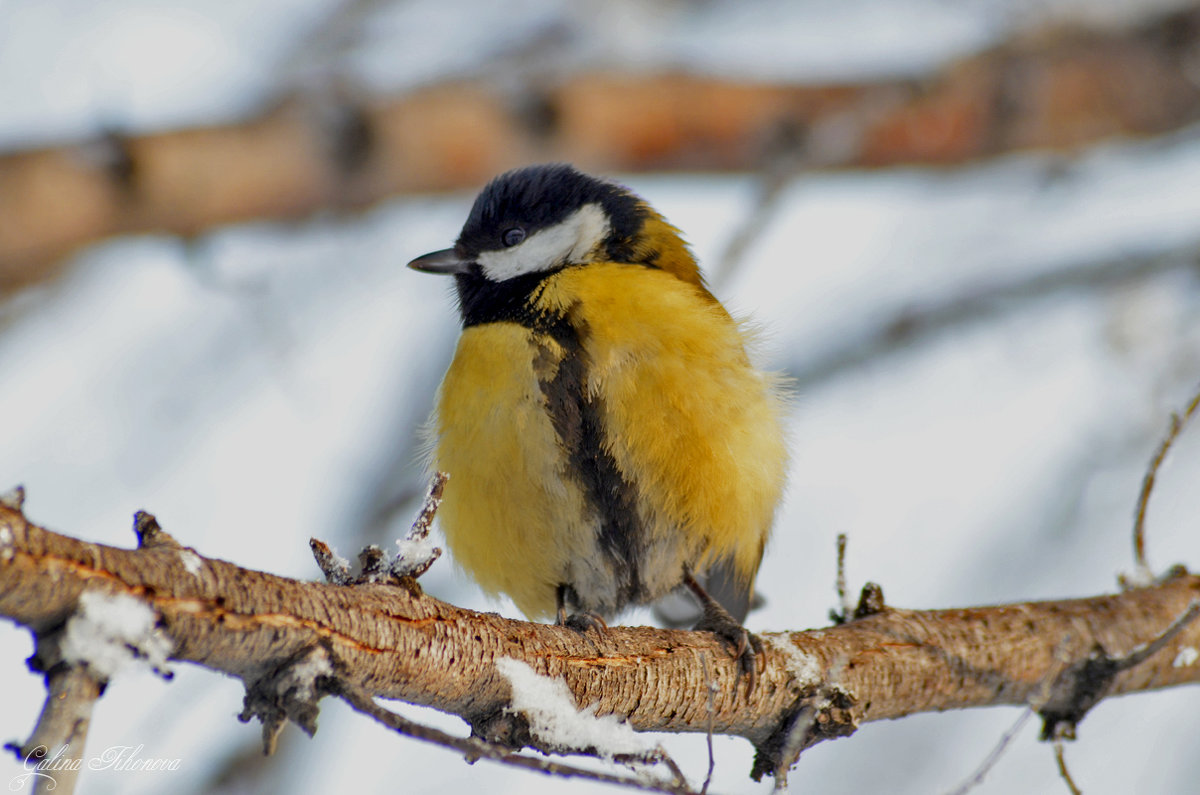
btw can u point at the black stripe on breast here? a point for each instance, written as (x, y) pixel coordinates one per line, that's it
(576, 417)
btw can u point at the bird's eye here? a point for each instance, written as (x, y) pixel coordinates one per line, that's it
(513, 236)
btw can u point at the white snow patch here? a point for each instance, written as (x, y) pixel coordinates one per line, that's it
(556, 721)
(107, 632)
(304, 673)
(1187, 656)
(191, 561)
(413, 554)
(341, 563)
(1141, 577)
(6, 543)
(804, 668)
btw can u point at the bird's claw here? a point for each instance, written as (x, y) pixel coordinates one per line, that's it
(582, 621)
(744, 645)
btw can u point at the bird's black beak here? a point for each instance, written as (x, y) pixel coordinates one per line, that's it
(445, 261)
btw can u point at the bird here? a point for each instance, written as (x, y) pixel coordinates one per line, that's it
(608, 437)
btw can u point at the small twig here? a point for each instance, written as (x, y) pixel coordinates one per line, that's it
(146, 528)
(870, 601)
(335, 568)
(826, 142)
(840, 583)
(1043, 694)
(1177, 425)
(473, 748)
(375, 566)
(1062, 769)
(711, 688)
(372, 563)
(14, 498)
(793, 743)
(433, 499)
(664, 759)
(766, 204)
(976, 777)
(414, 556)
(1140, 654)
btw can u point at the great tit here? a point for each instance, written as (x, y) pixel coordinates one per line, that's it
(607, 436)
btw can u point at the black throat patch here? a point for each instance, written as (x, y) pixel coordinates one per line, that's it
(481, 300)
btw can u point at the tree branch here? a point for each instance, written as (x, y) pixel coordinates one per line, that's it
(395, 642)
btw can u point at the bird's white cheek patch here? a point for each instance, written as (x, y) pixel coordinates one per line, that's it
(567, 241)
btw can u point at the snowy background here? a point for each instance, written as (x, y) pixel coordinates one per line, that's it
(263, 384)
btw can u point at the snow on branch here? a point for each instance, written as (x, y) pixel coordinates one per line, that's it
(111, 631)
(557, 722)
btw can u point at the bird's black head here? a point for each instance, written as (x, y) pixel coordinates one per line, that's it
(531, 222)
(544, 217)
(541, 218)
(528, 223)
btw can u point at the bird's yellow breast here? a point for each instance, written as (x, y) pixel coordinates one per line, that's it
(690, 420)
(693, 428)
(509, 511)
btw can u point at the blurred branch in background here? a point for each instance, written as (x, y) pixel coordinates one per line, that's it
(341, 148)
(897, 333)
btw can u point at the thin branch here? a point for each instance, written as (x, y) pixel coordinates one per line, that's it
(1038, 700)
(773, 182)
(1139, 654)
(433, 499)
(985, 767)
(1061, 761)
(662, 757)
(473, 748)
(1175, 428)
(846, 607)
(61, 731)
(908, 325)
(710, 689)
(831, 140)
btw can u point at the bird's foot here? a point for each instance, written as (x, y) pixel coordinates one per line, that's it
(582, 621)
(745, 646)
